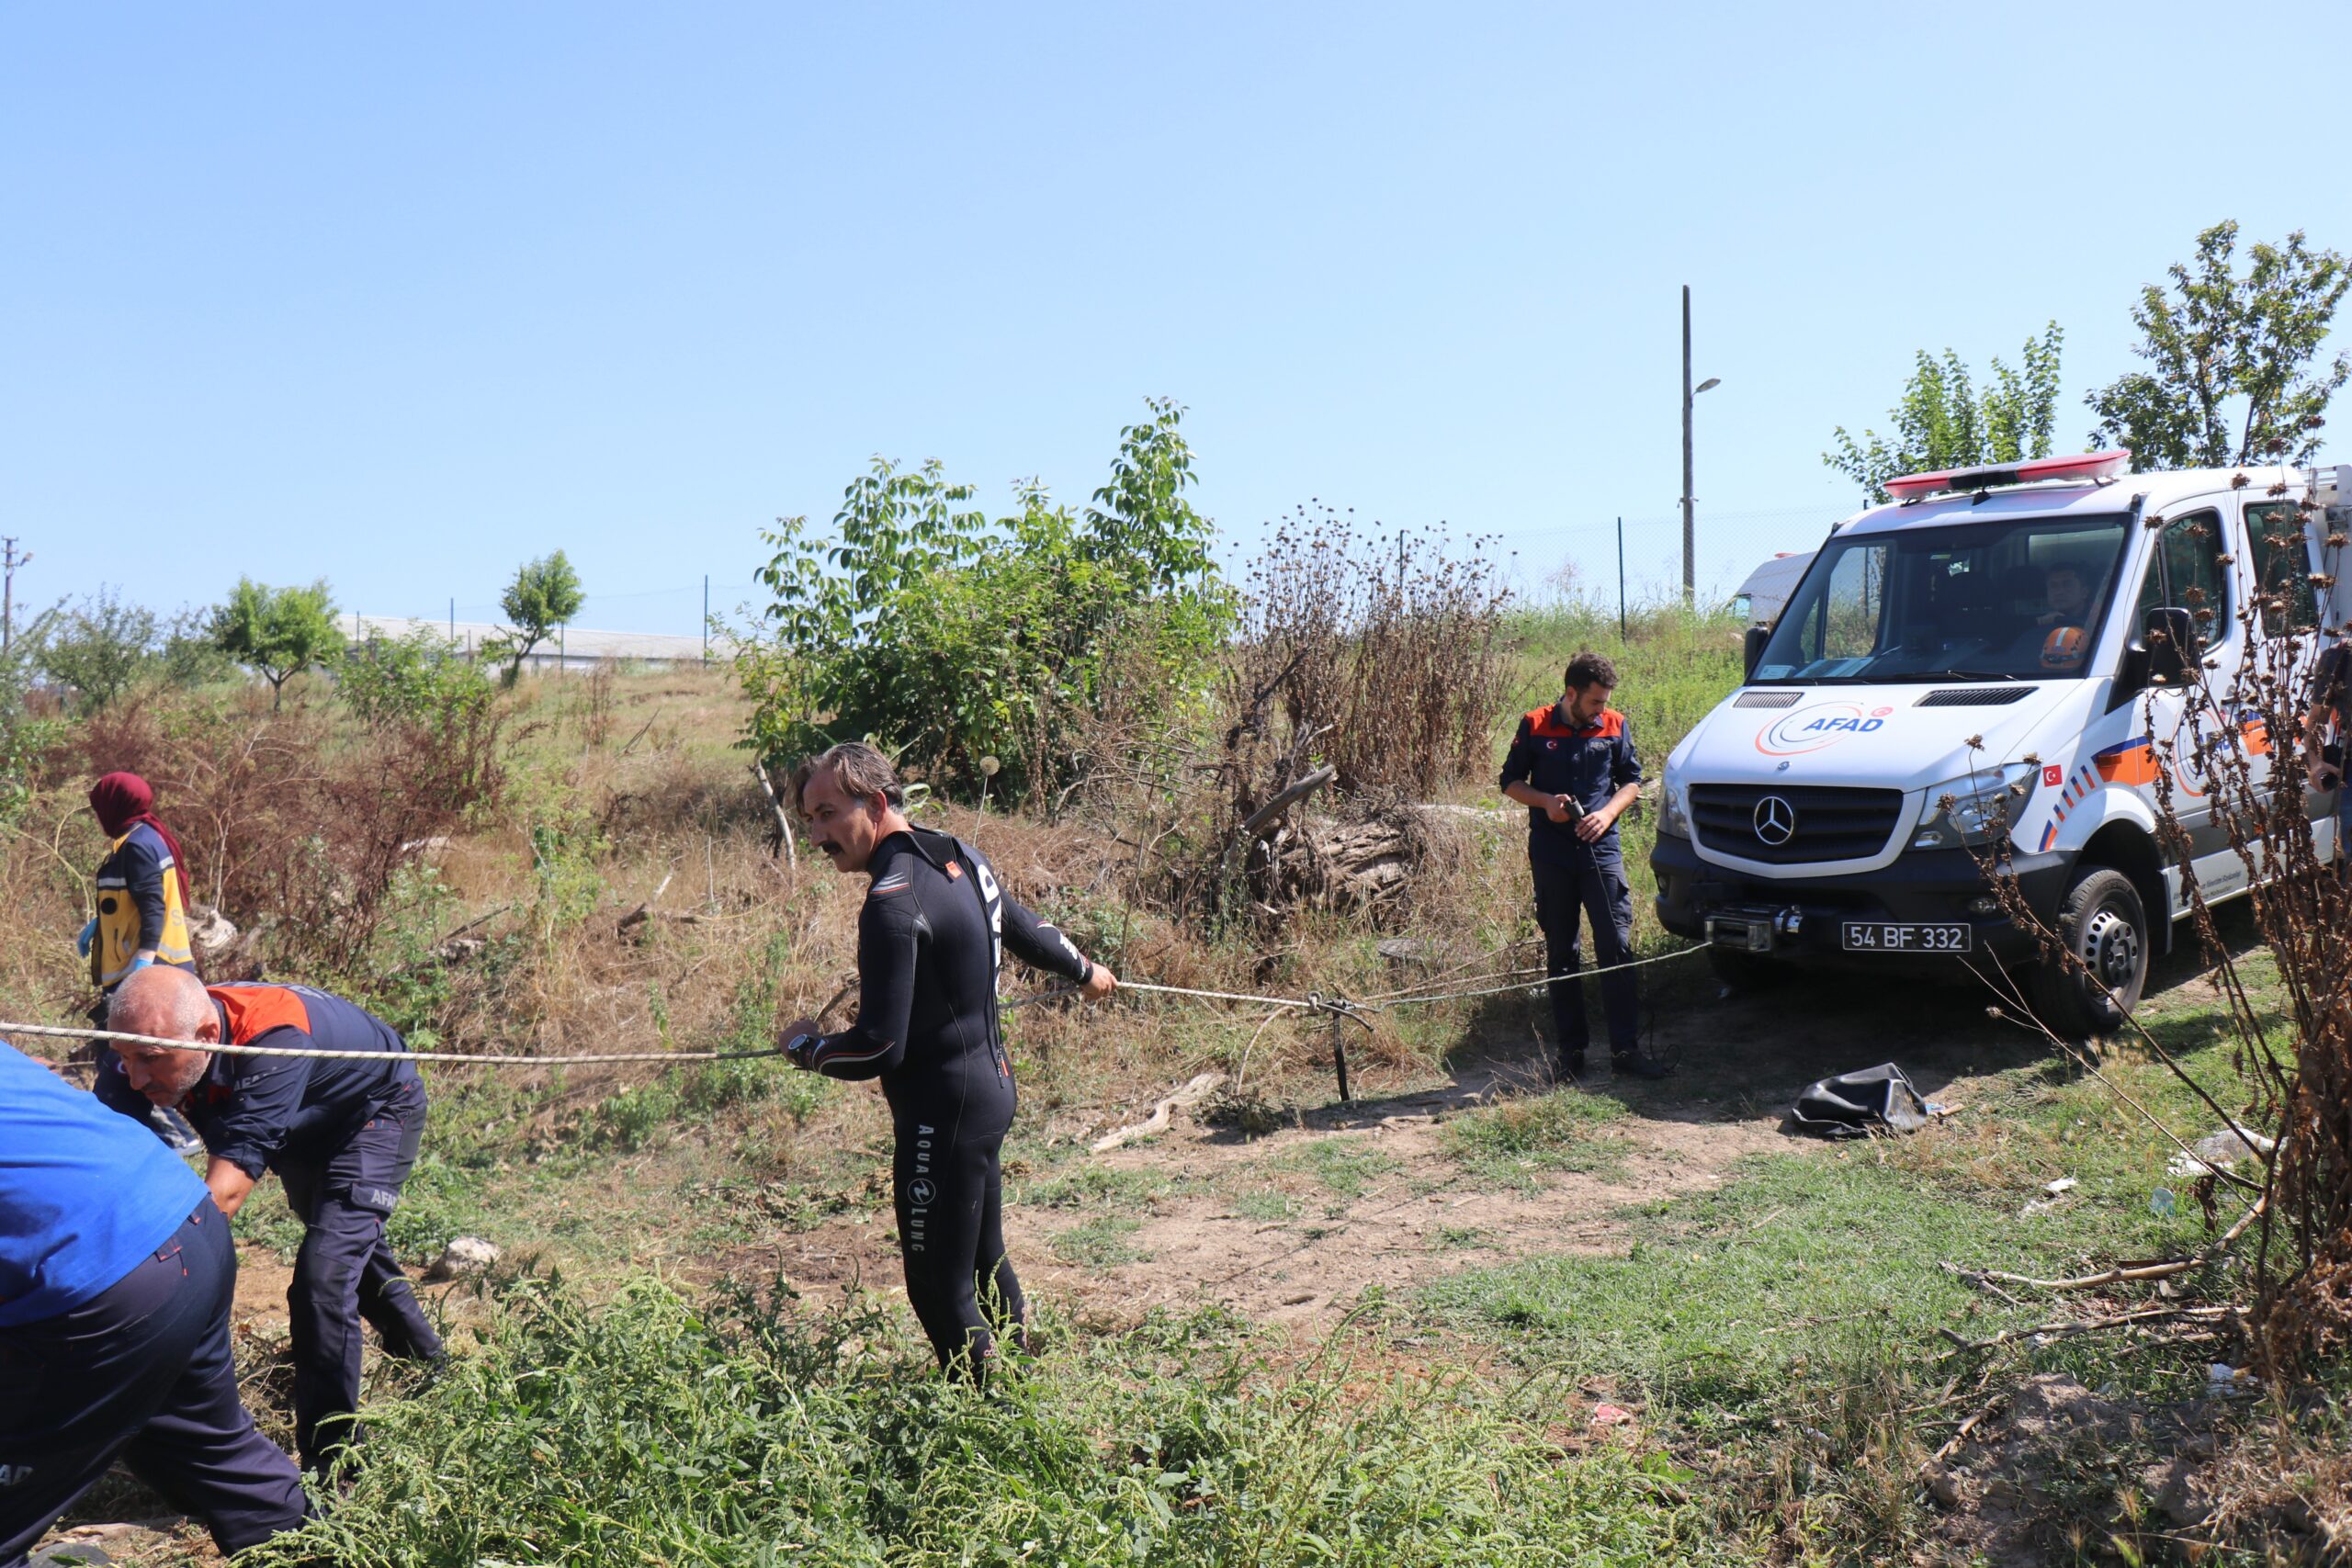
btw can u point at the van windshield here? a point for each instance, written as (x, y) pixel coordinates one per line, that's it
(1981, 601)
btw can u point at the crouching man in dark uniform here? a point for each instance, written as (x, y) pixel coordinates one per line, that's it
(341, 1134)
(929, 941)
(116, 1280)
(1573, 766)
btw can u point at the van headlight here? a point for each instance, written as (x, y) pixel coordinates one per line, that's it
(1974, 807)
(1674, 807)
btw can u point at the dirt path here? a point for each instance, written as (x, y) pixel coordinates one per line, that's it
(1294, 1227)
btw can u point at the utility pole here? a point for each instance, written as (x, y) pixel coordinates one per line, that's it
(706, 617)
(1689, 527)
(14, 559)
(1620, 580)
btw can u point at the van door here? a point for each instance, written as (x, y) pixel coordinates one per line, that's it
(2192, 570)
(2285, 548)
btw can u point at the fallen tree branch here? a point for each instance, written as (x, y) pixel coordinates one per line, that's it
(1287, 799)
(2087, 1326)
(1196, 1089)
(1965, 1427)
(2122, 1273)
(637, 916)
(782, 820)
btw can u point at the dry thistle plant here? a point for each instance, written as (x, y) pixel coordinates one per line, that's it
(1382, 660)
(2231, 791)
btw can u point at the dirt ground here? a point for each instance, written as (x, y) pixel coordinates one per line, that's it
(1417, 1217)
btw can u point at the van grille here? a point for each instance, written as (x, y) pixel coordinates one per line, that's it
(1779, 699)
(1831, 824)
(1974, 696)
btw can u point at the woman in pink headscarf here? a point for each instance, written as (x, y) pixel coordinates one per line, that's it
(141, 888)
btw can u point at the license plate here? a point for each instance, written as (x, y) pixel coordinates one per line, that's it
(1889, 936)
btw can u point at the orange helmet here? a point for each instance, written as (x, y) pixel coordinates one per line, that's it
(2066, 647)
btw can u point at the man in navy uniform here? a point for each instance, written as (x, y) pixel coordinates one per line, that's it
(1573, 766)
(116, 1280)
(341, 1134)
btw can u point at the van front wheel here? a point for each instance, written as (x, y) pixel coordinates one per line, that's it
(2104, 929)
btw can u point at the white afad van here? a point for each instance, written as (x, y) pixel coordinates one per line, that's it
(1974, 662)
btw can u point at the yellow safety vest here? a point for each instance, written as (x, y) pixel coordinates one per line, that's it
(119, 938)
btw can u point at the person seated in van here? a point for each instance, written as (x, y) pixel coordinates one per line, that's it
(2068, 595)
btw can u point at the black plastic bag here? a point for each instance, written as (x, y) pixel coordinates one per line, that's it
(1855, 1105)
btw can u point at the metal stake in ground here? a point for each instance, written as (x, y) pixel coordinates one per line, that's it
(1343, 1013)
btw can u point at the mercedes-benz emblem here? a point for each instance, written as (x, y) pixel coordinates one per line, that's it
(1775, 820)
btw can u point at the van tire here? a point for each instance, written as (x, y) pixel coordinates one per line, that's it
(1743, 972)
(2104, 927)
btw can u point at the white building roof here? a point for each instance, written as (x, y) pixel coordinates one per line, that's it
(574, 644)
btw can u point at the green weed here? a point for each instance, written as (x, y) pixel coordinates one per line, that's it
(1507, 1144)
(1100, 1243)
(646, 1430)
(1348, 1170)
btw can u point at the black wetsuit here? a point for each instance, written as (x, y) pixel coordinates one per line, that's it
(929, 943)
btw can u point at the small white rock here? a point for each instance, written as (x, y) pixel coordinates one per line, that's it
(2064, 1184)
(465, 1255)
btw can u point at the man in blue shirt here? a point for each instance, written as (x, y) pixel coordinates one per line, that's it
(116, 1280)
(341, 1134)
(1573, 766)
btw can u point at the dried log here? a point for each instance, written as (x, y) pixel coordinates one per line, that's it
(1196, 1089)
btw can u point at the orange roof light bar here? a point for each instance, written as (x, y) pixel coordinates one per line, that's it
(2084, 468)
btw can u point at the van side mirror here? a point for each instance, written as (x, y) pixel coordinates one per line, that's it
(2169, 635)
(1752, 650)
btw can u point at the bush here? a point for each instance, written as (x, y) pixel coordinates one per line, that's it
(26, 735)
(648, 1431)
(100, 649)
(951, 638)
(1390, 657)
(286, 828)
(417, 682)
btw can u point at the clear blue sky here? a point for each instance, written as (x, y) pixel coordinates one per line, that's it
(401, 296)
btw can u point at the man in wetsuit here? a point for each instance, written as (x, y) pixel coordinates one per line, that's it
(929, 940)
(341, 1133)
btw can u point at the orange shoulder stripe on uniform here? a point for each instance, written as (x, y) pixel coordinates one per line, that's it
(1546, 721)
(255, 1010)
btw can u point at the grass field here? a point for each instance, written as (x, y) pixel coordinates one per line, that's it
(1470, 1318)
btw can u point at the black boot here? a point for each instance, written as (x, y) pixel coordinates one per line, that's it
(1631, 1064)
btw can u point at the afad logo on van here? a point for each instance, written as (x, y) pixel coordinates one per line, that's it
(1818, 727)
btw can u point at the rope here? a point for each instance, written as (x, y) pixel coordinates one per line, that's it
(1540, 981)
(1318, 1002)
(1314, 1001)
(62, 1032)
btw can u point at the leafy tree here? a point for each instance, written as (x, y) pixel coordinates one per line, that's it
(544, 595)
(101, 648)
(2230, 376)
(1140, 525)
(922, 622)
(190, 657)
(1943, 422)
(277, 632)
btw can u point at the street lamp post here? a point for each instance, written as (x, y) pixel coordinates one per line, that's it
(1690, 503)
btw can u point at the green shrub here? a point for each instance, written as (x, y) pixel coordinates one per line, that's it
(645, 1430)
(951, 638)
(417, 680)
